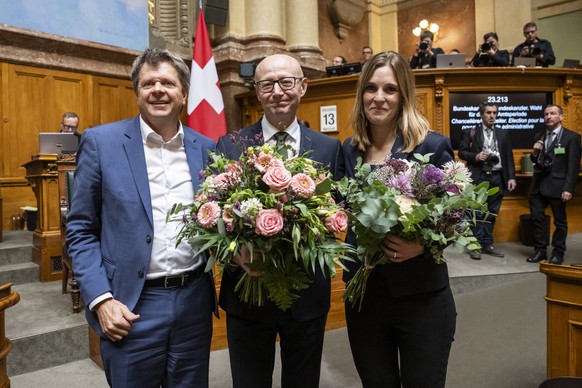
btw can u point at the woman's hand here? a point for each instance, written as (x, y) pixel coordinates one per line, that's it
(398, 249)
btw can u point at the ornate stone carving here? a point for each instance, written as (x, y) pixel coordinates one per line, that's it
(345, 14)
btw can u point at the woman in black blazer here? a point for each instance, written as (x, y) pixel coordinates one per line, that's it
(403, 333)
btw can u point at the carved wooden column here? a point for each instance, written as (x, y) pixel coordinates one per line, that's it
(42, 174)
(7, 300)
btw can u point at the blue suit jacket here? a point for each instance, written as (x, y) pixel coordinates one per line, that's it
(110, 225)
(315, 300)
(420, 274)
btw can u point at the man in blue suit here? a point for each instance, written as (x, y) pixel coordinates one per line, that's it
(149, 300)
(251, 330)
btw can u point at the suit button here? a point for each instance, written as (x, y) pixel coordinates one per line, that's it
(140, 273)
(149, 239)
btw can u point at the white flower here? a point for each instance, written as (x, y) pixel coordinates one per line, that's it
(458, 174)
(250, 207)
(406, 205)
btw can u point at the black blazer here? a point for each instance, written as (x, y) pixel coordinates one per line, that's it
(564, 170)
(314, 301)
(420, 274)
(472, 143)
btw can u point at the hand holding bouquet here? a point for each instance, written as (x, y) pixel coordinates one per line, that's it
(281, 211)
(413, 200)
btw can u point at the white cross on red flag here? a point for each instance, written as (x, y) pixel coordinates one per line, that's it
(205, 104)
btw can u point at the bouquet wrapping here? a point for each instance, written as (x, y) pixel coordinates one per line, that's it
(282, 211)
(414, 200)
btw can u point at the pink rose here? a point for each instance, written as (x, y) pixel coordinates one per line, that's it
(277, 178)
(303, 185)
(269, 222)
(208, 214)
(337, 222)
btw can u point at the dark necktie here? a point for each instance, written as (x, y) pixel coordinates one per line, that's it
(549, 139)
(281, 137)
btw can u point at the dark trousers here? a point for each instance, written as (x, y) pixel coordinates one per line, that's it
(483, 228)
(251, 347)
(537, 205)
(169, 345)
(402, 341)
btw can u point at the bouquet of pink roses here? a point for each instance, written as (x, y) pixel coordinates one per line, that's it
(282, 211)
(414, 200)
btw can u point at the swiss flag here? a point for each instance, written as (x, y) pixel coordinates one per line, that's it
(205, 104)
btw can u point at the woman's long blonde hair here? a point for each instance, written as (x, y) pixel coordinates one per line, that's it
(410, 123)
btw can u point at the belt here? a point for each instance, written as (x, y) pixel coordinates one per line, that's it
(175, 281)
(491, 172)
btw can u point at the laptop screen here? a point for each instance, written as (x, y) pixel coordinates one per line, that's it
(58, 143)
(450, 60)
(524, 61)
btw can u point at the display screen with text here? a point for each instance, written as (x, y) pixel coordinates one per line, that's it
(520, 113)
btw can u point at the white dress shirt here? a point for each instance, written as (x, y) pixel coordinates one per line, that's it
(294, 132)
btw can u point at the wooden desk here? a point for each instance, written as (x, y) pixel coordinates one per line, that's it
(564, 317)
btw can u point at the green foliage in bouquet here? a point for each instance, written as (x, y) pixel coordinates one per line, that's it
(282, 211)
(416, 201)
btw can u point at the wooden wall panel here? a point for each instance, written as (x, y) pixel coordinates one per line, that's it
(32, 100)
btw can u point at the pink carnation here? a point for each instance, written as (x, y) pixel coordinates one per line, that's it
(208, 214)
(303, 185)
(262, 162)
(222, 182)
(337, 222)
(269, 222)
(277, 178)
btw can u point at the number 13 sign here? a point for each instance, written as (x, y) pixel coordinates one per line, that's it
(328, 118)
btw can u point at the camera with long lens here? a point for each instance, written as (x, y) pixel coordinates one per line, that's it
(423, 45)
(492, 159)
(485, 47)
(535, 50)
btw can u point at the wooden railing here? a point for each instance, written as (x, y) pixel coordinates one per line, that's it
(8, 298)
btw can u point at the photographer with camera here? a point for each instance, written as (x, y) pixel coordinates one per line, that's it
(489, 54)
(556, 157)
(534, 47)
(489, 156)
(425, 55)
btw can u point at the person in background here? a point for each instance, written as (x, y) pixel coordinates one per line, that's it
(367, 53)
(402, 336)
(489, 156)
(489, 53)
(534, 47)
(252, 331)
(149, 300)
(556, 157)
(425, 55)
(338, 61)
(70, 123)
(454, 51)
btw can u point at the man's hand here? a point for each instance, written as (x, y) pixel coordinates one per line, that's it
(115, 319)
(511, 184)
(481, 156)
(242, 258)
(566, 196)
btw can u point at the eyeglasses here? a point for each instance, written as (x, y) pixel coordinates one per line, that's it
(286, 83)
(529, 32)
(70, 127)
